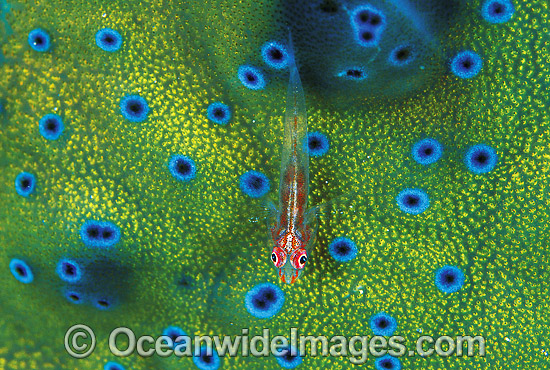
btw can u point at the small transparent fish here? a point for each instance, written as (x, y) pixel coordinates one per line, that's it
(293, 228)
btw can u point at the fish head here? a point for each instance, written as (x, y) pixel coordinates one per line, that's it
(290, 265)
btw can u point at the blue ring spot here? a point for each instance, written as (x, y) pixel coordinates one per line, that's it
(387, 362)
(275, 55)
(449, 279)
(264, 300)
(401, 55)
(289, 358)
(39, 40)
(104, 303)
(69, 271)
(51, 126)
(317, 144)
(480, 159)
(254, 184)
(413, 201)
(251, 77)
(218, 113)
(25, 183)
(342, 249)
(73, 296)
(368, 23)
(383, 324)
(99, 234)
(427, 151)
(497, 11)
(186, 282)
(182, 167)
(354, 74)
(466, 64)
(108, 39)
(134, 108)
(368, 17)
(205, 362)
(174, 332)
(21, 271)
(367, 38)
(111, 365)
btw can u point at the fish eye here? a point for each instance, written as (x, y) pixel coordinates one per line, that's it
(278, 257)
(299, 259)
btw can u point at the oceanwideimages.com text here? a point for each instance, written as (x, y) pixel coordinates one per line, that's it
(80, 342)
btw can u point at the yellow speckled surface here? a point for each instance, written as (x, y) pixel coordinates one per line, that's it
(182, 56)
